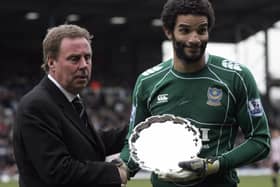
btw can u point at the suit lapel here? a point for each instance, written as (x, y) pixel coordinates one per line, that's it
(89, 132)
(71, 114)
(95, 134)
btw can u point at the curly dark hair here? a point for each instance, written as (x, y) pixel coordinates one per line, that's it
(173, 8)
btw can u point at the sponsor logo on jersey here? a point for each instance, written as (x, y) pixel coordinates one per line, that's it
(162, 98)
(214, 96)
(255, 107)
(231, 65)
(152, 70)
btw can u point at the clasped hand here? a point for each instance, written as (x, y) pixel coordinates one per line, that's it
(192, 170)
(123, 170)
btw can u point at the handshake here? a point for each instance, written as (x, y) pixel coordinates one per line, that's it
(192, 171)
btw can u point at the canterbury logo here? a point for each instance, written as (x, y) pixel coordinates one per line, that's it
(162, 98)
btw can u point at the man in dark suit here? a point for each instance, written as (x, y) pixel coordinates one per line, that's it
(55, 144)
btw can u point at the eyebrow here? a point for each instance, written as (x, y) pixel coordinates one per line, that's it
(204, 25)
(189, 26)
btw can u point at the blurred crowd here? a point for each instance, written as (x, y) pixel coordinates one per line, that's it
(8, 105)
(108, 107)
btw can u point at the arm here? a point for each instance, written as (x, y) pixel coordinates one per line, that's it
(139, 112)
(251, 119)
(253, 123)
(114, 139)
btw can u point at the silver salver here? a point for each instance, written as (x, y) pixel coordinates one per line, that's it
(160, 142)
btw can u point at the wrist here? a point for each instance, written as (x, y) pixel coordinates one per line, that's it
(212, 166)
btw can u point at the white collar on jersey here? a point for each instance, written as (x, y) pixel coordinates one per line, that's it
(206, 58)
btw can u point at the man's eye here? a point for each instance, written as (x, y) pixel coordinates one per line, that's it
(202, 30)
(87, 57)
(184, 30)
(74, 59)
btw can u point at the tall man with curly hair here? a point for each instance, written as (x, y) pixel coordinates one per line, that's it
(217, 95)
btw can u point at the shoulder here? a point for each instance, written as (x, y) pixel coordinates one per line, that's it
(226, 65)
(35, 99)
(156, 71)
(237, 76)
(150, 77)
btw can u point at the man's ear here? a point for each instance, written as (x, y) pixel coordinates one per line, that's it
(168, 33)
(51, 63)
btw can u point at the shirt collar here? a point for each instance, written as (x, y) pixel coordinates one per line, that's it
(70, 97)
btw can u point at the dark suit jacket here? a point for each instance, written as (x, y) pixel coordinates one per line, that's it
(53, 149)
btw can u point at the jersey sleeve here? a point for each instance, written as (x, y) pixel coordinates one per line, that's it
(139, 113)
(252, 121)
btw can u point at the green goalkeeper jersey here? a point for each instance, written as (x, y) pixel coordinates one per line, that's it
(220, 99)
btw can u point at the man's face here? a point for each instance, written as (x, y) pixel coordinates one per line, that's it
(72, 67)
(190, 37)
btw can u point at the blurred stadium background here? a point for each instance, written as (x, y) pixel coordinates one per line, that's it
(128, 38)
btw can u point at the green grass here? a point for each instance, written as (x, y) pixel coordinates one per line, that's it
(256, 181)
(248, 181)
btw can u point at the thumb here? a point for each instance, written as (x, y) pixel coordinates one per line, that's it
(196, 165)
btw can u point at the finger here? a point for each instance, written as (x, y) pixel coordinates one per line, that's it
(184, 164)
(161, 176)
(176, 175)
(164, 177)
(197, 165)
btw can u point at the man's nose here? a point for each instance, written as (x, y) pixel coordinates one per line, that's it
(83, 62)
(194, 38)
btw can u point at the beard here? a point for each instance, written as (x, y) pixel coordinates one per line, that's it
(188, 57)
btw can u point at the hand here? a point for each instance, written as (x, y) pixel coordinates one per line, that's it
(201, 166)
(193, 171)
(123, 174)
(179, 176)
(123, 170)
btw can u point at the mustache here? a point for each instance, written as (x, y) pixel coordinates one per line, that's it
(187, 45)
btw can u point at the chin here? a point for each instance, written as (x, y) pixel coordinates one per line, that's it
(81, 85)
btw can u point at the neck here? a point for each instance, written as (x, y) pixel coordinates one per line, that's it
(183, 67)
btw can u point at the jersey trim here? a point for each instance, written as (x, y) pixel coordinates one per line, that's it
(153, 90)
